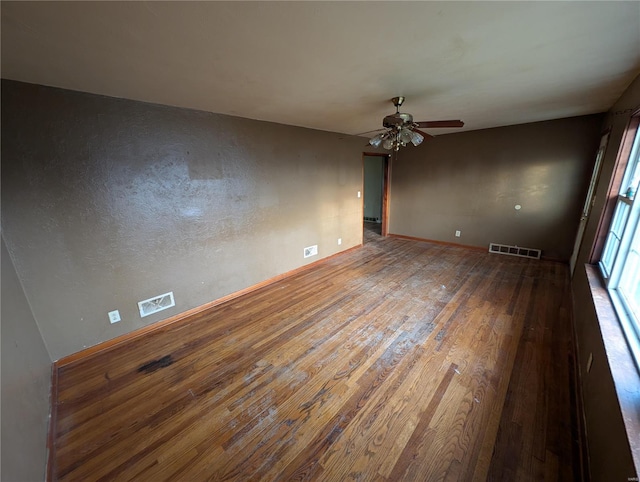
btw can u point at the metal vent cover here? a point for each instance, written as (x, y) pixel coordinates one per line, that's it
(155, 304)
(515, 251)
(311, 251)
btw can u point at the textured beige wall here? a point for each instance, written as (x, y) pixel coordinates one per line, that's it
(26, 375)
(472, 181)
(106, 202)
(609, 451)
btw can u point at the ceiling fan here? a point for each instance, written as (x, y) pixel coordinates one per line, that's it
(400, 129)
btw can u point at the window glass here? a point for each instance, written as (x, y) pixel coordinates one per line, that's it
(620, 260)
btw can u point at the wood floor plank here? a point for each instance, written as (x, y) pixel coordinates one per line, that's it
(402, 360)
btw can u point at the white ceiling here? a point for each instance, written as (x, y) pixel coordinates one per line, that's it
(334, 65)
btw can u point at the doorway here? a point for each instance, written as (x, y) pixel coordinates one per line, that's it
(376, 195)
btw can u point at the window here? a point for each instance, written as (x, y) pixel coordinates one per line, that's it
(620, 260)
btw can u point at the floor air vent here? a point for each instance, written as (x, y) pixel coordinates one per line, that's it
(514, 251)
(155, 304)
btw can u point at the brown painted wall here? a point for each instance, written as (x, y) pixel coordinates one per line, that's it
(106, 202)
(609, 452)
(471, 181)
(26, 373)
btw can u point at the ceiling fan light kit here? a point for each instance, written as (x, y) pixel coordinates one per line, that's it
(400, 129)
(394, 139)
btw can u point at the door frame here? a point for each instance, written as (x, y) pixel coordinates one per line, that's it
(384, 231)
(590, 200)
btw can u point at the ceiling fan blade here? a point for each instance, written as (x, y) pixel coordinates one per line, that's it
(369, 132)
(442, 123)
(423, 134)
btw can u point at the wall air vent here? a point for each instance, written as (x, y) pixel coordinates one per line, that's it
(515, 251)
(155, 304)
(311, 251)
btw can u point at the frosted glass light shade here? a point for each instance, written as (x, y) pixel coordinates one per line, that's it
(416, 139)
(377, 140)
(406, 136)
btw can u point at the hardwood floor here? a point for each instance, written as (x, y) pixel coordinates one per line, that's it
(402, 360)
(373, 230)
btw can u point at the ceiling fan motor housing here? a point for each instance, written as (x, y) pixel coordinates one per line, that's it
(398, 119)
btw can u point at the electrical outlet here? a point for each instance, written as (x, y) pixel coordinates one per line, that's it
(114, 316)
(359, 194)
(457, 234)
(339, 241)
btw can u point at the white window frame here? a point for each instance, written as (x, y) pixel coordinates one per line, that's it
(620, 260)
